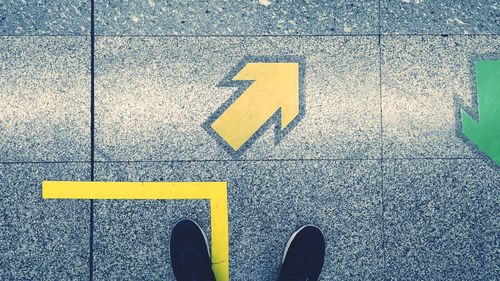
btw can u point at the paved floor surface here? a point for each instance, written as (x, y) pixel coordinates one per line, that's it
(376, 161)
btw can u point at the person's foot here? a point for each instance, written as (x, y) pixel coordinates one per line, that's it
(304, 255)
(189, 253)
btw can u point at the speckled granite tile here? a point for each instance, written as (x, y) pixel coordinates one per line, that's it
(422, 76)
(45, 99)
(256, 17)
(440, 17)
(154, 94)
(43, 17)
(268, 201)
(131, 237)
(490, 227)
(440, 216)
(42, 239)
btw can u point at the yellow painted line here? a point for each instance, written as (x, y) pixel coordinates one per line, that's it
(275, 85)
(216, 192)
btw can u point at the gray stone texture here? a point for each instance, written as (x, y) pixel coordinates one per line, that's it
(42, 239)
(255, 17)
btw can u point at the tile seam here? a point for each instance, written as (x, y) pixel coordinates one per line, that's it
(92, 136)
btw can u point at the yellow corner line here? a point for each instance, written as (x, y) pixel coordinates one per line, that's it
(216, 192)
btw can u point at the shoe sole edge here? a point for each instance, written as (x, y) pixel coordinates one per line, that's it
(202, 232)
(292, 237)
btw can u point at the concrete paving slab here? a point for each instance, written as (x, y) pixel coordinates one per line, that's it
(45, 99)
(42, 239)
(440, 218)
(45, 17)
(262, 17)
(422, 77)
(268, 201)
(440, 17)
(154, 94)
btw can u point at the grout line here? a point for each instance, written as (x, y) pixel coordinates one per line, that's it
(288, 35)
(236, 35)
(295, 35)
(92, 91)
(436, 34)
(288, 160)
(44, 35)
(239, 160)
(432, 158)
(257, 35)
(92, 136)
(382, 187)
(43, 162)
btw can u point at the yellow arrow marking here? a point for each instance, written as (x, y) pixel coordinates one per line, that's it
(275, 86)
(216, 192)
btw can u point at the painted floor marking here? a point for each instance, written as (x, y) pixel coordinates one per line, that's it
(270, 91)
(216, 192)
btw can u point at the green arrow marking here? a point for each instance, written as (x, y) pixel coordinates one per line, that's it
(486, 133)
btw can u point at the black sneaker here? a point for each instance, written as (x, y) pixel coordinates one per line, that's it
(304, 255)
(189, 253)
